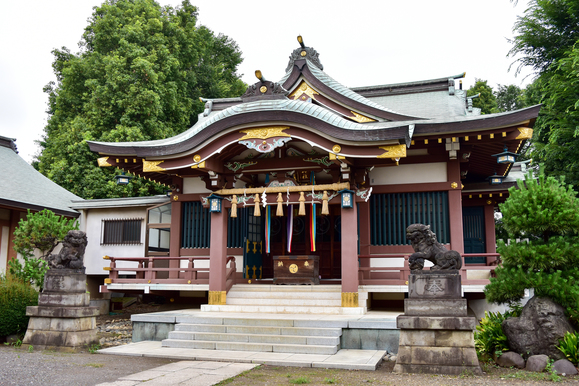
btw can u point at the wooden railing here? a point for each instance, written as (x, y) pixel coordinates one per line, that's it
(396, 275)
(156, 270)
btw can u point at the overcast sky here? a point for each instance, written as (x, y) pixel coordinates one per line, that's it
(360, 43)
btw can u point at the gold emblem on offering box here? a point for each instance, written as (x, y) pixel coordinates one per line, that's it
(293, 268)
(280, 263)
(306, 264)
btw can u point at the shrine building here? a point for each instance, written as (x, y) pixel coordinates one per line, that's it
(306, 181)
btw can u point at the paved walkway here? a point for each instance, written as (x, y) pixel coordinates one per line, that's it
(343, 359)
(184, 373)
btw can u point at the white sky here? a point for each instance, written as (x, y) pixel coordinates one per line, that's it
(361, 43)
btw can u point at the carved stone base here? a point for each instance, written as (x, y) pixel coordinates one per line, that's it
(436, 345)
(63, 318)
(436, 336)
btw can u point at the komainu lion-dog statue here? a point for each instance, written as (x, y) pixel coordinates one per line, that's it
(426, 247)
(71, 256)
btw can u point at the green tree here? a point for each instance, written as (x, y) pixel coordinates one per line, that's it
(138, 76)
(41, 231)
(545, 212)
(544, 33)
(545, 39)
(509, 98)
(486, 101)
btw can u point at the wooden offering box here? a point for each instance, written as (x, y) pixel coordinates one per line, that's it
(294, 269)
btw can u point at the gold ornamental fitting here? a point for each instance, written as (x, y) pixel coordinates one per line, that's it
(105, 257)
(336, 148)
(293, 268)
(263, 89)
(196, 158)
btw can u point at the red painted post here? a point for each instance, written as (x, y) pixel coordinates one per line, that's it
(490, 236)
(175, 238)
(365, 234)
(455, 206)
(349, 257)
(218, 258)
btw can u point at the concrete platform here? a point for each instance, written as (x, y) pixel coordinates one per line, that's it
(343, 359)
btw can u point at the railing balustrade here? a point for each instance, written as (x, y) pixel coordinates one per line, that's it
(156, 270)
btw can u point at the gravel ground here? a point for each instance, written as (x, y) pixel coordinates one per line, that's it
(20, 367)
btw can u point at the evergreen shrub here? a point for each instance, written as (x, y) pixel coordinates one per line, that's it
(15, 296)
(544, 213)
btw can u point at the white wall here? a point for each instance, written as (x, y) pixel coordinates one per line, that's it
(194, 185)
(91, 223)
(409, 174)
(4, 237)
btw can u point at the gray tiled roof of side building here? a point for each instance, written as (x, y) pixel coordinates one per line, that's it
(21, 183)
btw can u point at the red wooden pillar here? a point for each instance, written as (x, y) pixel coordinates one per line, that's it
(455, 206)
(490, 236)
(217, 258)
(175, 238)
(365, 234)
(349, 257)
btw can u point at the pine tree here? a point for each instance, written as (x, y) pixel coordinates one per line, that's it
(544, 214)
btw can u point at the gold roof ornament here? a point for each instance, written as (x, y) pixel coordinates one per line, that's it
(103, 162)
(393, 151)
(525, 133)
(264, 132)
(152, 166)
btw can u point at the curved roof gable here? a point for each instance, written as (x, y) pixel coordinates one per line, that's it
(277, 109)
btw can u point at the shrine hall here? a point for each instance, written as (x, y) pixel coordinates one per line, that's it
(306, 182)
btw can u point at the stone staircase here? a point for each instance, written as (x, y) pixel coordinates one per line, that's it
(263, 335)
(281, 299)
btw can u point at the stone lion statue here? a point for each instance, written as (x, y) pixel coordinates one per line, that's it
(426, 247)
(72, 253)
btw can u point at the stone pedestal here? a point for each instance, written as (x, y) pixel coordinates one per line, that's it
(436, 336)
(63, 317)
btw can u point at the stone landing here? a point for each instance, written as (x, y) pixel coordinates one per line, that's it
(436, 336)
(63, 318)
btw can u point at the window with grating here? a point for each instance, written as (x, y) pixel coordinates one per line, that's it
(196, 226)
(391, 214)
(121, 232)
(237, 228)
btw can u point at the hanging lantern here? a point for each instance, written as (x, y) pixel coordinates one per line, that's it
(347, 198)
(215, 203)
(122, 179)
(506, 157)
(495, 179)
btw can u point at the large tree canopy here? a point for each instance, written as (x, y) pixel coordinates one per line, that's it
(546, 38)
(545, 32)
(138, 76)
(486, 101)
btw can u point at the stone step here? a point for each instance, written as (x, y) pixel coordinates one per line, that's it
(284, 295)
(285, 309)
(249, 329)
(246, 346)
(261, 301)
(255, 320)
(286, 288)
(256, 338)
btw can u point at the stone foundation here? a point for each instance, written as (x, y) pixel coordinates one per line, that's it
(436, 336)
(63, 317)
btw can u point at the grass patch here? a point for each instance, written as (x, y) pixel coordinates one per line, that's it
(300, 380)
(95, 365)
(329, 381)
